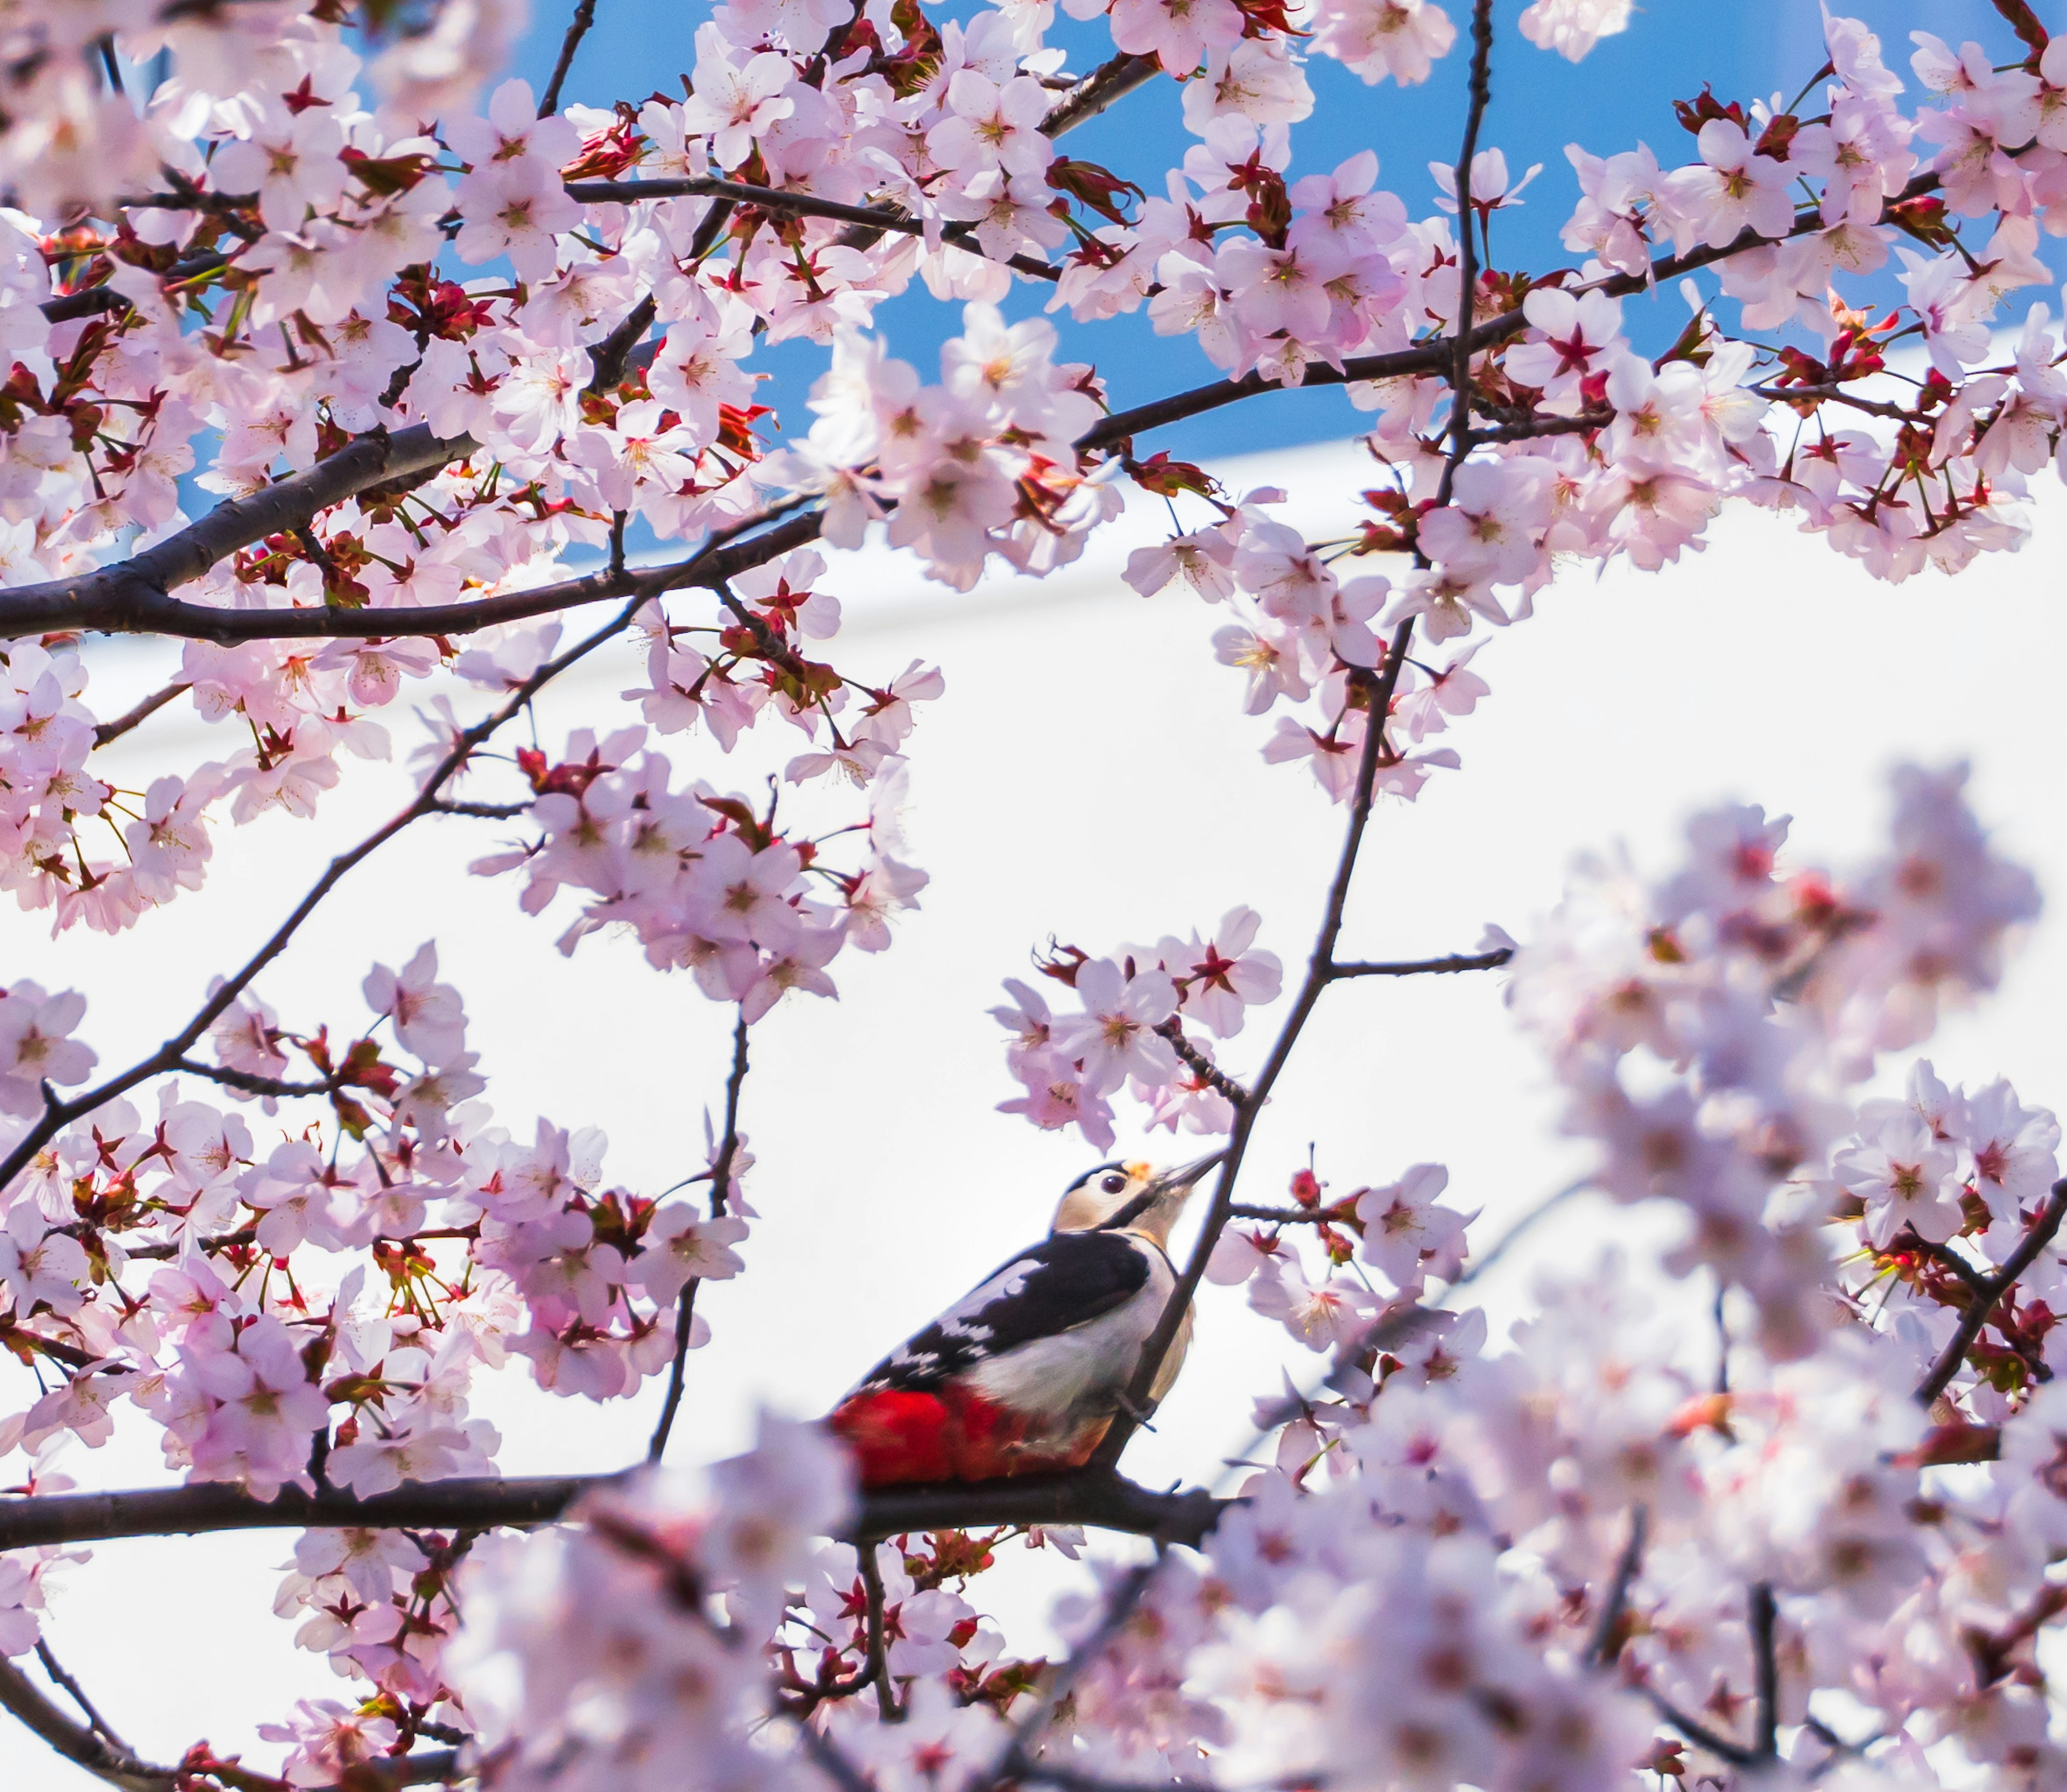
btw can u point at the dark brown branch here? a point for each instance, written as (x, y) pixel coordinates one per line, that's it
(877, 1671)
(1467, 254)
(164, 1253)
(1104, 1502)
(1108, 82)
(58, 1115)
(1765, 1668)
(1418, 967)
(1439, 353)
(1528, 432)
(1977, 1283)
(245, 1080)
(1378, 701)
(98, 1724)
(1984, 1304)
(79, 1745)
(720, 1175)
(1835, 395)
(804, 204)
(130, 597)
(1201, 1066)
(1605, 1644)
(578, 28)
(93, 300)
(1334, 1214)
(485, 812)
(142, 711)
(1699, 1734)
(608, 358)
(115, 607)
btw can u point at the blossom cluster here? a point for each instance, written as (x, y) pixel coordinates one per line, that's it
(445, 363)
(1707, 1027)
(266, 263)
(1131, 1030)
(307, 1303)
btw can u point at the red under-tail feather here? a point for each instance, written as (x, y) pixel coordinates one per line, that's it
(899, 1436)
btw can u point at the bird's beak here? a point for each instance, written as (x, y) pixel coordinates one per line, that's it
(1186, 1175)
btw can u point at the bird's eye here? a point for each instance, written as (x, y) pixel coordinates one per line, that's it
(1112, 1185)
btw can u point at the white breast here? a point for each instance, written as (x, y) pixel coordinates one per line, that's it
(1056, 1378)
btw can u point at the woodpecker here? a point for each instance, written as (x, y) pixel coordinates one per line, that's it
(1025, 1372)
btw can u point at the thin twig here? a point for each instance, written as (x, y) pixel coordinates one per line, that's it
(1422, 968)
(1201, 1066)
(60, 1677)
(1699, 1734)
(1984, 1304)
(142, 711)
(58, 1115)
(1765, 1666)
(803, 205)
(1438, 354)
(879, 1645)
(577, 29)
(721, 1183)
(1603, 1645)
(1379, 704)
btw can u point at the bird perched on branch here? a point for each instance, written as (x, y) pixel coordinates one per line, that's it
(1026, 1372)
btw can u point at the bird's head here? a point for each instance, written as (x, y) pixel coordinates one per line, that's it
(1130, 1198)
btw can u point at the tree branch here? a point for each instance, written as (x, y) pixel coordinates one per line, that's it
(721, 1182)
(130, 597)
(1765, 1667)
(1418, 967)
(577, 29)
(75, 1742)
(804, 204)
(142, 711)
(1201, 1066)
(1983, 1303)
(1378, 700)
(1699, 1734)
(1108, 82)
(1104, 1502)
(58, 1115)
(98, 1724)
(878, 1670)
(102, 601)
(1603, 1645)
(1439, 353)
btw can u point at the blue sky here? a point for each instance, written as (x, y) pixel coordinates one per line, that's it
(1746, 49)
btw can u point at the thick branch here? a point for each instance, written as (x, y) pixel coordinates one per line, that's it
(116, 608)
(74, 1740)
(1984, 1304)
(130, 597)
(1106, 1503)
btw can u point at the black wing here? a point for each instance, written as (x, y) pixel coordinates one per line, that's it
(1057, 1285)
